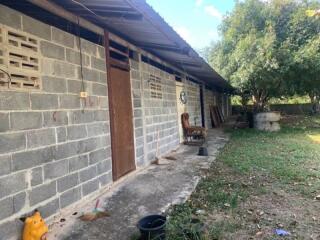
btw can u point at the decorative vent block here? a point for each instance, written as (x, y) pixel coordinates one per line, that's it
(20, 57)
(155, 87)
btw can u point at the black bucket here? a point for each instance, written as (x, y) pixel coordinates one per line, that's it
(152, 227)
(203, 151)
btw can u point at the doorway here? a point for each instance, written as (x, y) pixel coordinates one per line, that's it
(121, 112)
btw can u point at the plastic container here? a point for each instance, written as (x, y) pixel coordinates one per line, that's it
(152, 227)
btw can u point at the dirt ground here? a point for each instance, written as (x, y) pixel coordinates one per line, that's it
(261, 182)
(269, 206)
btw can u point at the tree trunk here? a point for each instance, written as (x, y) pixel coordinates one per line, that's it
(315, 101)
(259, 102)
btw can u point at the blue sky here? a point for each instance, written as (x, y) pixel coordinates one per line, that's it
(196, 21)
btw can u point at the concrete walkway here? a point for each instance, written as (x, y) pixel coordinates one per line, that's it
(150, 191)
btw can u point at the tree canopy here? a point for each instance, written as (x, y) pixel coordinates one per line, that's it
(267, 47)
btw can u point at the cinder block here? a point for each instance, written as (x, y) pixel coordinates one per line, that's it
(103, 77)
(19, 201)
(76, 132)
(78, 162)
(101, 115)
(90, 74)
(74, 57)
(12, 184)
(32, 158)
(134, 64)
(138, 123)
(38, 138)
(51, 50)
(105, 179)
(88, 47)
(99, 89)
(10, 17)
(12, 142)
(4, 122)
(54, 85)
(14, 101)
(70, 101)
(75, 148)
(97, 63)
(50, 208)
(42, 193)
(63, 69)
(104, 166)
(88, 174)
(36, 27)
(137, 113)
(90, 187)
(78, 117)
(139, 152)
(63, 38)
(11, 230)
(68, 182)
(137, 103)
(56, 169)
(101, 52)
(36, 176)
(25, 120)
(104, 102)
(70, 197)
(61, 134)
(6, 208)
(136, 75)
(75, 86)
(97, 156)
(139, 141)
(90, 102)
(97, 129)
(55, 118)
(5, 163)
(138, 132)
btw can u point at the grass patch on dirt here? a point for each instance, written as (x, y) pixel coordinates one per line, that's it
(290, 155)
(259, 182)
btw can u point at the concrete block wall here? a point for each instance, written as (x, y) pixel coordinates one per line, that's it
(193, 106)
(210, 100)
(54, 146)
(138, 112)
(160, 115)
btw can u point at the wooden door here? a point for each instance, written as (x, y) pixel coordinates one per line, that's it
(121, 122)
(181, 108)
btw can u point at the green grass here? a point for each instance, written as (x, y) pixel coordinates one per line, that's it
(289, 155)
(290, 158)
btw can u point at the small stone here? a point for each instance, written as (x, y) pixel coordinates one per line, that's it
(259, 234)
(260, 213)
(227, 205)
(200, 212)
(280, 225)
(317, 197)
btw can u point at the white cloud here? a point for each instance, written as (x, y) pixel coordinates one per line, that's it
(199, 3)
(212, 11)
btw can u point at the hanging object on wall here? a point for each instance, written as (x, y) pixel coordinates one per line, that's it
(183, 97)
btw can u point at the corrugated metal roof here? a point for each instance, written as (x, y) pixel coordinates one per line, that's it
(141, 25)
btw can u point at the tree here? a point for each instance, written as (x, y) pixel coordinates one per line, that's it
(305, 47)
(256, 53)
(307, 63)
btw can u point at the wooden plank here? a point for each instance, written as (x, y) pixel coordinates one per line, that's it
(61, 12)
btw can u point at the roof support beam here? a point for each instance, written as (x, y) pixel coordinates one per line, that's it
(169, 48)
(61, 12)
